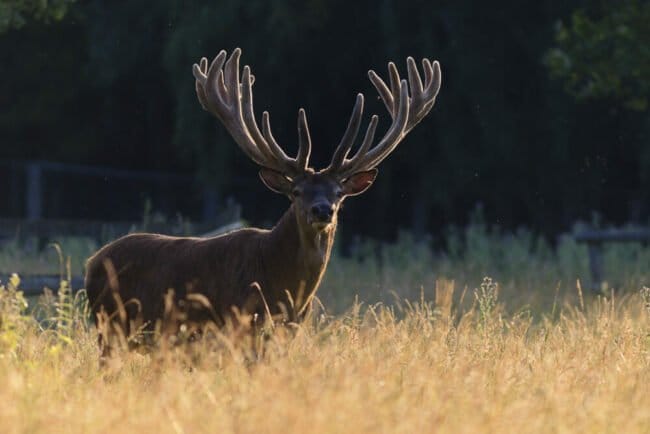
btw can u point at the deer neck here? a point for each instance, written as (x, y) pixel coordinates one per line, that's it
(311, 248)
(300, 252)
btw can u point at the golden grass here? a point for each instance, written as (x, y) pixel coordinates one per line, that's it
(426, 368)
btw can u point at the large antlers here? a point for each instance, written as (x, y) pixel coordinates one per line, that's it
(221, 93)
(405, 111)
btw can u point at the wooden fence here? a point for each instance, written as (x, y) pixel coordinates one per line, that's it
(46, 200)
(595, 240)
(36, 189)
(100, 231)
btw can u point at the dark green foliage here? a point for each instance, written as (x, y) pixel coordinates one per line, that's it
(111, 84)
(14, 14)
(605, 54)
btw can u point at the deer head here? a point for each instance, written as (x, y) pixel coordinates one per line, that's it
(316, 195)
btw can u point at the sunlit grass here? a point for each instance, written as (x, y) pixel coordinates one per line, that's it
(411, 340)
(427, 366)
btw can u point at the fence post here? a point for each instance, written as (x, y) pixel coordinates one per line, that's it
(596, 265)
(34, 191)
(210, 198)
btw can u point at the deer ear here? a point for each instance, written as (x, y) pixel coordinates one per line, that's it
(275, 181)
(359, 182)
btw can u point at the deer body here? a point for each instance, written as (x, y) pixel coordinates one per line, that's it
(256, 271)
(287, 261)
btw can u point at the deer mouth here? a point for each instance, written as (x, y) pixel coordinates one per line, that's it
(321, 225)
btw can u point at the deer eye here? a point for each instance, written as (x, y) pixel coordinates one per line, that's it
(339, 194)
(295, 192)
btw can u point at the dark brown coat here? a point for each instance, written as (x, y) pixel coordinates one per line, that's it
(254, 270)
(223, 269)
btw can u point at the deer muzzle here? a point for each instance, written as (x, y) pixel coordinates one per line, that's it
(321, 213)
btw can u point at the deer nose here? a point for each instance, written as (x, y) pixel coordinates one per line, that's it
(322, 212)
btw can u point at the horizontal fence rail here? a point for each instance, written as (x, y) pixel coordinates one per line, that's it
(36, 189)
(34, 285)
(48, 228)
(595, 240)
(613, 235)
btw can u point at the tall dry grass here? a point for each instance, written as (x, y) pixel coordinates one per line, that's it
(436, 364)
(400, 348)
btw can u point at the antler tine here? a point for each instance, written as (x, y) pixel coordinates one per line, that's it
(365, 145)
(405, 111)
(433, 75)
(349, 136)
(271, 150)
(423, 98)
(220, 92)
(275, 148)
(304, 141)
(199, 72)
(231, 77)
(393, 136)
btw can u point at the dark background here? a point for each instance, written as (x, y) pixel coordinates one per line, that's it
(542, 118)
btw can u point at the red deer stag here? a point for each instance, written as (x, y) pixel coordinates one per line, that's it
(253, 270)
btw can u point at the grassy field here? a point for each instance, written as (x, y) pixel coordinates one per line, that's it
(528, 350)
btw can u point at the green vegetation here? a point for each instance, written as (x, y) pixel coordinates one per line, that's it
(14, 14)
(606, 56)
(530, 272)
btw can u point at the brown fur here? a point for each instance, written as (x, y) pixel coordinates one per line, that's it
(289, 258)
(255, 271)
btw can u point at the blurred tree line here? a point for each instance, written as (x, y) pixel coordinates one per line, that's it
(14, 14)
(542, 117)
